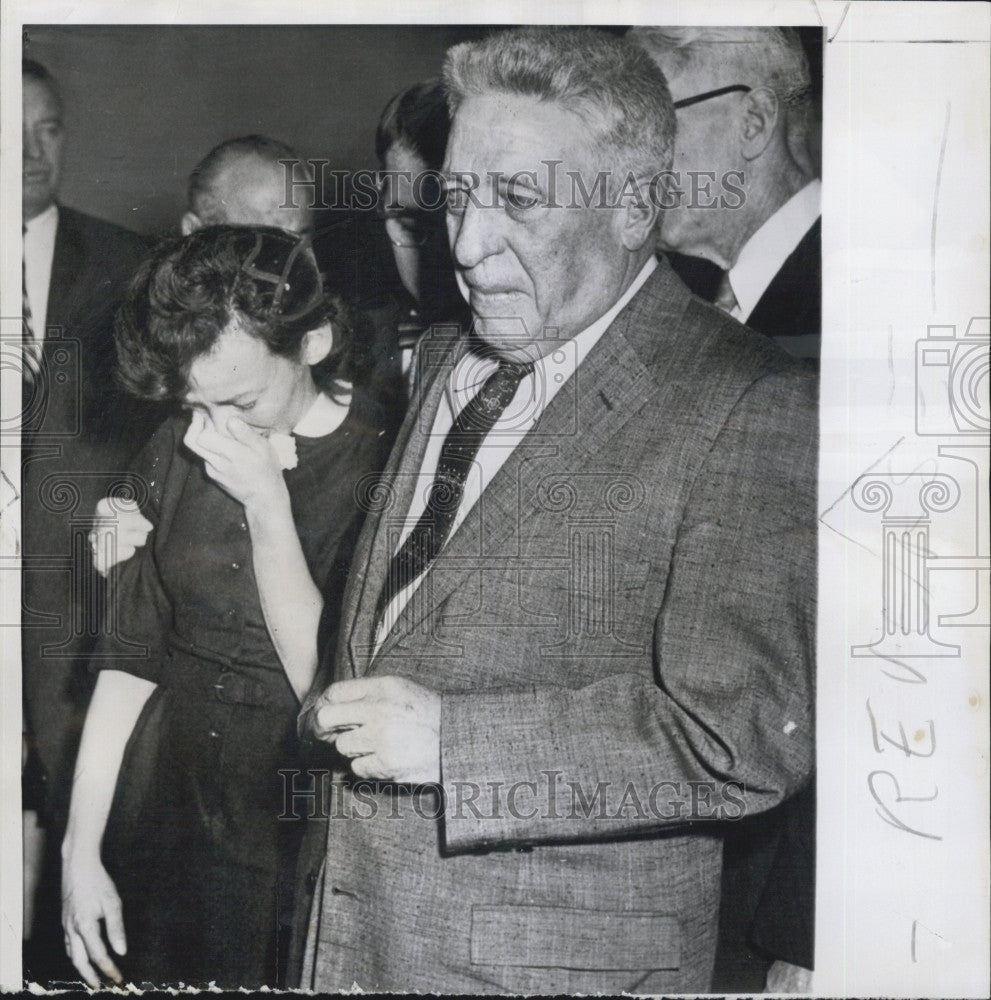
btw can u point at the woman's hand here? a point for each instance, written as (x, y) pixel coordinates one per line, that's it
(239, 460)
(89, 896)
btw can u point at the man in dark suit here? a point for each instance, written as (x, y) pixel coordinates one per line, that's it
(579, 627)
(743, 102)
(78, 432)
(745, 119)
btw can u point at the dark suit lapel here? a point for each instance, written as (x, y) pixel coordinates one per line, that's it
(791, 303)
(608, 389)
(68, 264)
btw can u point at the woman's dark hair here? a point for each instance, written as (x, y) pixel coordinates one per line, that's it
(192, 288)
(418, 119)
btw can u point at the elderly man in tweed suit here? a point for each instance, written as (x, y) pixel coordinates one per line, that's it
(578, 635)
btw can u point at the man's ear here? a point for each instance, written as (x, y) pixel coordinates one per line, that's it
(317, 344)
(760, 118)
(639, 201)
(190, 223)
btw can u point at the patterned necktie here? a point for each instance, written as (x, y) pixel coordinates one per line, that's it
(457, 455)
(725, 298)
(30, 348)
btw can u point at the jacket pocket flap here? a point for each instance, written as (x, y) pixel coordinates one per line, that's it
(560, 937)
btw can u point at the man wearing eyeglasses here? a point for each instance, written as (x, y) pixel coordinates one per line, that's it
(745, 119)
(409, 143)
(742, 102)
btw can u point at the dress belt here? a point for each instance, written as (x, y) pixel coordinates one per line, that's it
(249, 685)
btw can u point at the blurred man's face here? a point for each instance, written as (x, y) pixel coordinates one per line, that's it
(706, 145)
(412, 211)
(42, 153)
(252, 192)
(535, 269)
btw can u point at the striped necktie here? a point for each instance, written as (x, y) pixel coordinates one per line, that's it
(457, 455)
(30, 348)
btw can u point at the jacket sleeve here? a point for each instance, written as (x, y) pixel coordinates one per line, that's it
(725, 724)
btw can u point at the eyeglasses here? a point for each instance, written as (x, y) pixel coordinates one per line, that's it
(409, 227)
(687, 102)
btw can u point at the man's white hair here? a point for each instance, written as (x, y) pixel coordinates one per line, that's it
(757, 57)
(603, 79)
(754, 56)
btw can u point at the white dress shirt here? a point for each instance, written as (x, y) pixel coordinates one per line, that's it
(532, 397)
(764, 254)
(39, 252)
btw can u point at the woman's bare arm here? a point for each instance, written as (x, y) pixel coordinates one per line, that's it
(88, 894)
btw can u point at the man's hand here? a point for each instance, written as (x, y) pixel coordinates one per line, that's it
(239, 459)
(120, 520)
(388, 726)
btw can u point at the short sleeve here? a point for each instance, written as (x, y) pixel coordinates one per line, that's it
(138, 611)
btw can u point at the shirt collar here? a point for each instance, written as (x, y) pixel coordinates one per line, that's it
(44, 222)
(557, 367)
(323, 417)
(766, 251)
(591, 334)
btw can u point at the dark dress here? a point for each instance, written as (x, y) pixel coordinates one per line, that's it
(194, 842)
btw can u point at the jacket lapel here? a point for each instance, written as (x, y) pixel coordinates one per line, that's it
(67, 266)
(608, 389)
(398, 484)
(792, 302)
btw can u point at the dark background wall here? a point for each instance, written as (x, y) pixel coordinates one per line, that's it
(144, 103)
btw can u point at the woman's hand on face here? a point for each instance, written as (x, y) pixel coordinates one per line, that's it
(239, 459)
(89, 896)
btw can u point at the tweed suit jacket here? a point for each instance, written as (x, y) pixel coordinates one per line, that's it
(776, 888)
(622, 632)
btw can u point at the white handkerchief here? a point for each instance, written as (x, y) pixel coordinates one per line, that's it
(285, 449)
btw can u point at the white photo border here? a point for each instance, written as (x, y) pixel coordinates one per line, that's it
(903, 868)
